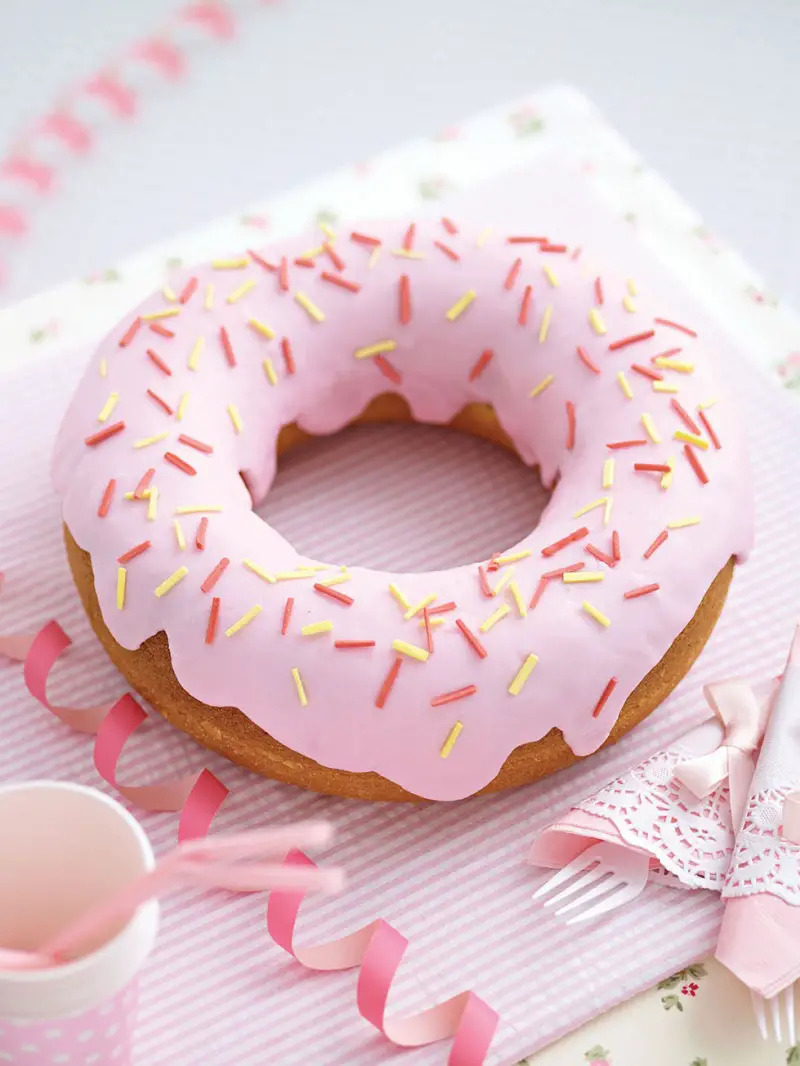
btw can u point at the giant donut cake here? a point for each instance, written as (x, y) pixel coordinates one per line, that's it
(383, 685)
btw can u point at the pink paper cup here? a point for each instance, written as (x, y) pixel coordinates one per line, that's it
(64, 847)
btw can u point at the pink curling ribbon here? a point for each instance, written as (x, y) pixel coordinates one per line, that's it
(744, 718)
(378, 948)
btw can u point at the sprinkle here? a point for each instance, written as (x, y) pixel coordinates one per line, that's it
(545, 324)
(213, 618)
(666, 480)
(612, 684)
(208, 303)
(309, 306)
(108, 407)
(460, 306)
(343, 283)
(181, 464)
(301, 689)
(131, 553)
(181, 411)
(242, 290)
(662, 386)
(617, 444)
(511, 277)
(188, 291)
(483, 237)
(578, 577)
(152, 504)
(198, 444)
(471, 639)
(200, 535)
(695, 464)
(600, 502)
(550, 275)
(609, 560)
(597, 615)
(108, 495)
(624, 385)
(154, 357)
(269, 370)
(286, 352)
(541, 386)
(331, 253)
(570, 425)
(122, 577)
(679, 365)
(456, 694)
(146, 442)
(235, 417)
(452, 737)
(709, 429)
(682, 523)
(388, 370)
(401, 253)
(398, 595)
(375, 349)
(152, 315)
(349, 644)
(361, 238)
(525, 304)
(447, 251)
(527, 240)
(405, 299)
(662, 536)
(550, 574)
(631, 286)
(494, 618)
(450, 226)
(598, 290)
(313, 629)
(162, 331)
(685, 417)
(161, 403)
(246, 619)
(633, 339)
(608, 473)
(415, 609)
(171, 581)
(230, 264)
(553, 248)
(293, 575)
(328, 231)
(261, 327)
(334, 594)
(675, 325)
(646, 372)
(629, 304)
(643, 590)
(179, 537)
(287, 614)
(519, 603)
(485, 589)
(337, 579)
(254, 568)
(584, 358)
(130, 333)
(104, 434)
(653, 468)
(538, 592)
(408, 239)
(504, 560)
(215, 575)
(607, 511)
(103, 368)
(706, 404)
(690, 438)
(596, 322)
(213, 508)
(388, 682)
(442, 608)
(412, 650)
(481, 363)
(523, 674)
(504, 580)
(578, 534)
(650, 428)
(196, 352)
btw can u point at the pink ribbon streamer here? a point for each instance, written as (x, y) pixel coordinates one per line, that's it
(378, 948)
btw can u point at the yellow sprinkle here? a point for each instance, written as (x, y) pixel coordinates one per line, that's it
(145, 442)
(312, 253)
(433, 622)
(502, 560)
(261, 327)
(631, 286)
(181, 411)
(545, 326)
(309, 306)
(674, 364)
(600, 502)
(373, 259)
(241, 291)
(171, 581)
(244, 620)
(596, 322)
(293, 575)
(337, 579)
(690, 438)
(608, 473)
(483, 237)
(398, 595)
(607, 510)
(256, 569)
(706, 404)
(169, 294)
(523, 674)
(650, 428)
(682, 523)
(578, 577)
(230, 264)
(235, 417)
(662, 386)
(412, 650)
(666, 479)
(460, 306)
(122, 579)
(103, 368)
(211, 509)
(452, 737)
(196, 352)
(375, 349)
(179, 534)
(326, 229)
(541, 386)
(269, 370)
(301, 689)
(108, 407)
(597, 615)
(416, 608)
(624, 384)
(314, 628)
(495, 617)
(629, 304)
(209, 300)
(550, 275)
(504, 580)
(315, 568)
(519, 602)
(406, 253)
(169, 313)
(152, 503)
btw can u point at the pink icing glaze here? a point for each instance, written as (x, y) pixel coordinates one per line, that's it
(341, 726)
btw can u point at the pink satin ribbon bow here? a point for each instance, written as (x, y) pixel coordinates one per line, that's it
(744, 719)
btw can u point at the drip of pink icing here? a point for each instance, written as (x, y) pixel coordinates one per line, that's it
(340, 725)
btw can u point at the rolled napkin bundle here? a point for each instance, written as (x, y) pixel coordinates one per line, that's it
(759, 939)
(676, 806)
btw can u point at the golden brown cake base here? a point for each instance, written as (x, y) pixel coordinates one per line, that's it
(226, 730)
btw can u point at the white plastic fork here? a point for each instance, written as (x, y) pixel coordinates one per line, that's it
(608, 873)
(767, 1010)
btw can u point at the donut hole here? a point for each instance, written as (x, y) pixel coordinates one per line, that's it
(391, 494)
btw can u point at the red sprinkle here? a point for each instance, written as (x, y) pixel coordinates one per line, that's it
(552, 247)
(633, 339)
(450, 226)
(646, 372)
(428, 630)
(654, 468)
(612, 684)
(447, 251)
(584, 358)
(609, 560)
(144, 482)
(156, 358)
(131, 553)
(405, 299)
(712, 436)
(408, 240)
(695, 464)
(643, 590)
(675, 325)
(200, 536)
(362, 238)
(198, 444)
(451, 697)
(287, 614)
(161, 403)
(511, 277)
(485, 589)
(578, 534)
(538, 593)
(388, 369)
(476, 645)
(213, 618)
(283, 275)
(215, 575)
(527, 240)
(615, 551)
(226, 345)
(334, 257)
(617, 444)
(685, 417)
(261, 262)
(662, 536)
(286, 352)
(576, 254)
(302, 261)
(598, 290)
(130, 333)
(334, 594)
(481, 363)
(162, 331)
(181, 464)
(442, 608)
(343, 283)
(108, 496)
(570, 425)
(526, 302)
(354, 644)
(104, 434)
(550, 574)
(388, 682)
(188, 291)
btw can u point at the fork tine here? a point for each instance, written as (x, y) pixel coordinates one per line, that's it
(621, 895)
(604, 884)
(578, 885)
(775, 1011)
(788, 1000)
(560, 876)
(760, 1013)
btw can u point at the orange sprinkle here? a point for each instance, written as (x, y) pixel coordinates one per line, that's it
(616, 444)
(388, 682)
(584, 358)
(570, 425)
(144, 481)
(334, 257)
(662, 536)
(426, 621)
(181, 464)
(451, 697)
(511, 277)
(571, 569)
(481, 363)
(261, 262)
(213, 618)
(633, 339)
(484, 582)
(685, 417)
(104, 434)
(161, 330)
(598, 290)
(343, 283)
(388, 369)
(609, 560)
(577, 534)
(615, 549)
(226, 346)
(347, 644)
(538, 593)
(105, 502)
(405, 299)
(286, 352)
(283, 275)
(552, 247)
(472, 640)
(215, 575)
(130, 333)
(525, 305)
(362, 238)
(161, 403)
(408, 239)
(198, 444)
(156, 358)
(612, 684)
(712, 436)
(334, 594)
(442, 608)
(695, 464)
(287, 614)
(304, 261)
(643, 590)
(188, 291)
(646, 372)
(655, 468)
(447, 251)
(200, 537)
(527, 240)
(675, 325)
(131, 553)
(450, 226)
